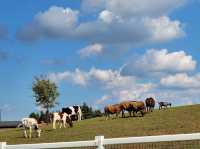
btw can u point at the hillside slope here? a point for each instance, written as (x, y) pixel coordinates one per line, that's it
(184, 119)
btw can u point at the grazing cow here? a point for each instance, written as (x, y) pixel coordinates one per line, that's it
(164, 104)
(73, 111)
(112, 109)
(138, 106)
(126, 105)
(150, 104)
(30, 123)
(62, 118)
(132, 106)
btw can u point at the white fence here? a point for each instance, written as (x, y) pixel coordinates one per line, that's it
(100, 142)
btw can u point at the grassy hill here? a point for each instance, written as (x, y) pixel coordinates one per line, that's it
(185, 119)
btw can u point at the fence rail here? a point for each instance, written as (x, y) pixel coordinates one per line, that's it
(99, 142)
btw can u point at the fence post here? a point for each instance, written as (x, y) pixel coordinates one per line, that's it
(99, 142)
(2, 145)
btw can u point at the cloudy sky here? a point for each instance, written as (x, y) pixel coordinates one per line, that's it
(99, 51)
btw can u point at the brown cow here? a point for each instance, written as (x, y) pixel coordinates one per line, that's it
(126, 105)
(112, 109)
(150, 104)
(132, 106)
(138, 106)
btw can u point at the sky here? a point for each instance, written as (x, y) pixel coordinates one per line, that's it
(99, 52)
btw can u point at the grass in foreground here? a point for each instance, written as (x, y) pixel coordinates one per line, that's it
(171, 121)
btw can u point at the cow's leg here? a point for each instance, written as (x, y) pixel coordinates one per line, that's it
(54, 124)
(30, 132)
(79, 116)
(61, 123)
(117, 115)
(122, 113)
(25, 133)
(129, 113)
(142, 112)
(64, 123)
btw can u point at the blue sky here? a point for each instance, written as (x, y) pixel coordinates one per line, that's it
(100, 52)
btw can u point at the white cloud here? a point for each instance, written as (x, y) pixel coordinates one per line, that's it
(181, 80)
(90, 50)
(160, 61)
(117, 87)
(155, 8)
(109, 78)
(115, 23)
(92, 5)
(78, 77)
(102, 99)
(163, 29)
(106, 16)
(55, 22)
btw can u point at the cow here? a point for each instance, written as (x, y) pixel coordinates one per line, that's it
(132, 107)
(150, 104)
(73, 111)
(126, 106)
(112, 109)
(62, 118)
(138, 106)
(29, 124)
(164, 104)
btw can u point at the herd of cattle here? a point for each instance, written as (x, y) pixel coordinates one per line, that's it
(133, 107)
(69, 114)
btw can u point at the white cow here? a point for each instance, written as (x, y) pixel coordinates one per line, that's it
(62, 118)
(29, 124)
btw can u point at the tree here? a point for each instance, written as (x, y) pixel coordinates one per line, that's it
(88, 112)
(45, 93)
(35, 115)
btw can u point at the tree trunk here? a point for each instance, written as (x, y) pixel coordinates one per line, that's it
(47, 118)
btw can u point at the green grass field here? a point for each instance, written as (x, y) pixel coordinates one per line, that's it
(177, 120)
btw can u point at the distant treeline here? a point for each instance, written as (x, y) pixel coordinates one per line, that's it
(87, 112)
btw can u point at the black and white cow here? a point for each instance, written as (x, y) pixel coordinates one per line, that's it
(62, 118)
(73, 111)
(164, 104)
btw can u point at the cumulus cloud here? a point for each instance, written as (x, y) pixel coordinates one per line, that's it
(181, 80)
(90, 50)
(120, 88)
(106, 16)
(109, 78)
(160, 61)
(163, 29)
(103, 99)
(55, 22)
(92, 5)
(116, 22)
(143, 7)
(78, 77)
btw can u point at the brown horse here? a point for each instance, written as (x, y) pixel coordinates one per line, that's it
(150, 104)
